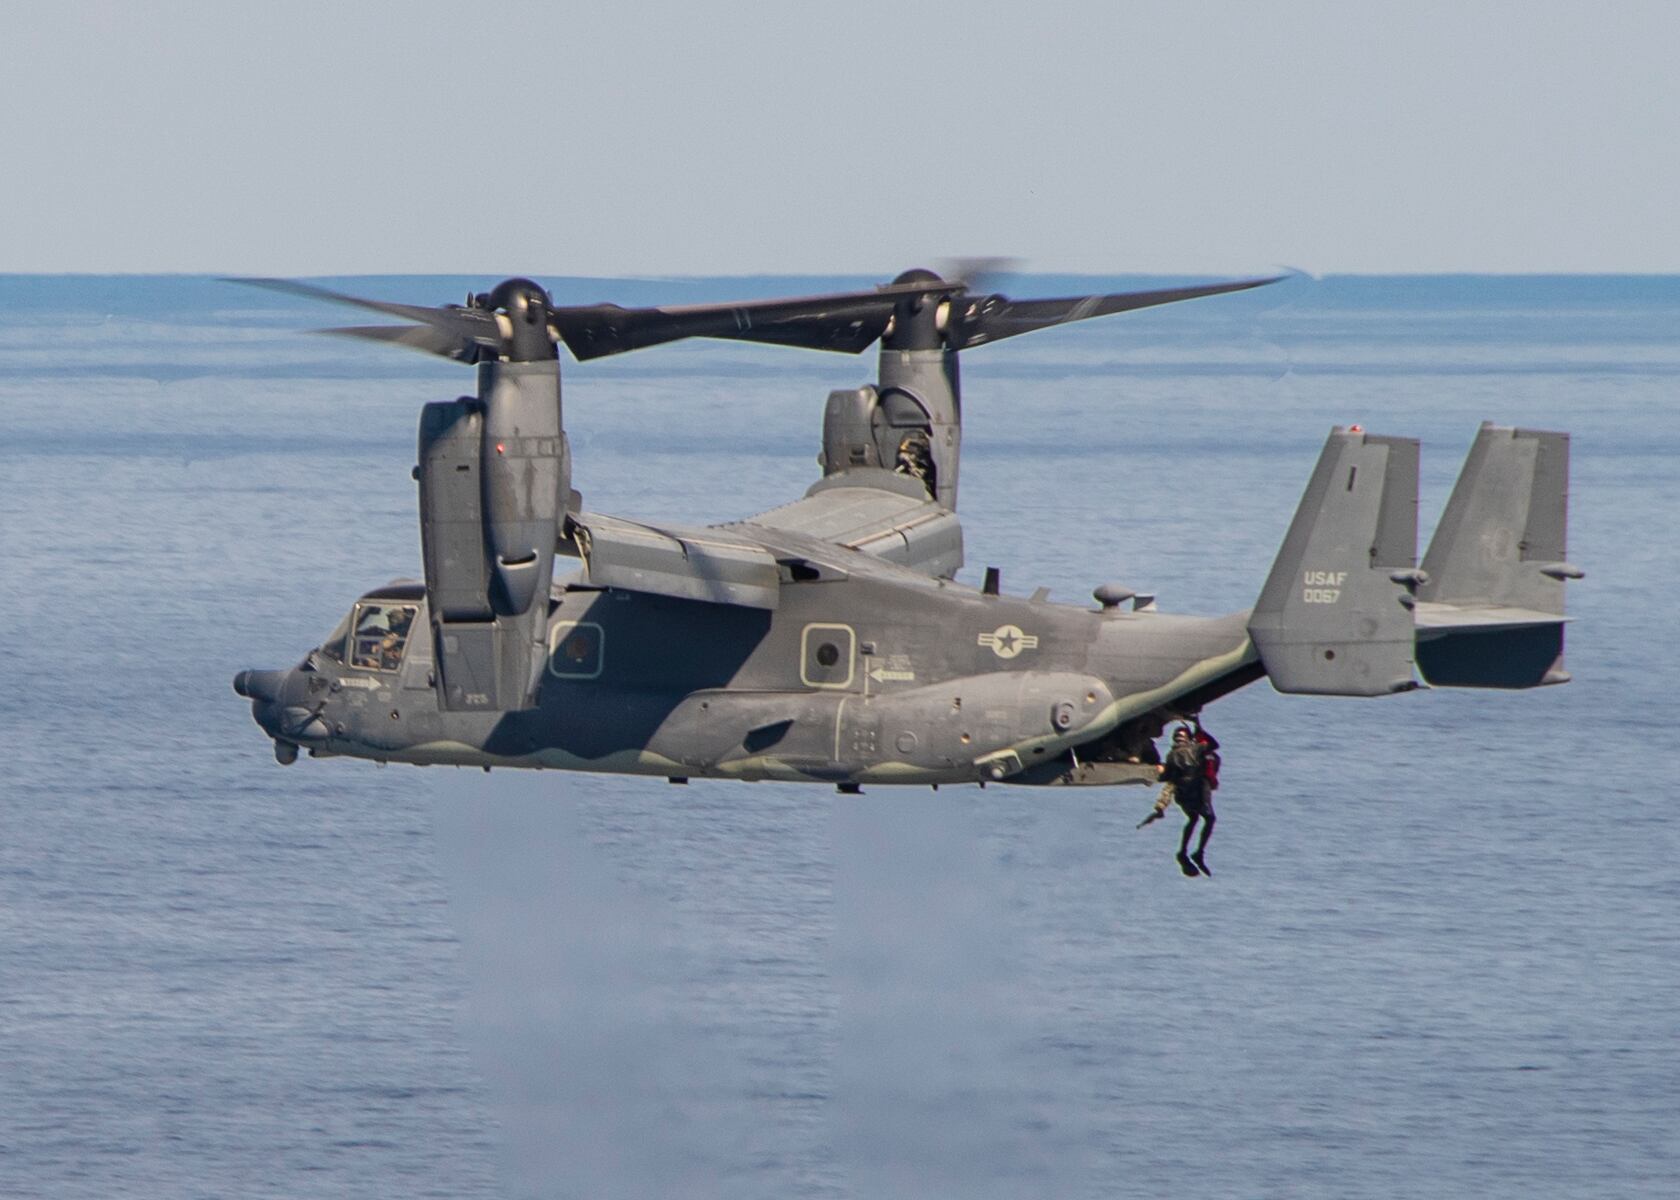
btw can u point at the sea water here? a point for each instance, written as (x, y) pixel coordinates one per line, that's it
(1439, 954)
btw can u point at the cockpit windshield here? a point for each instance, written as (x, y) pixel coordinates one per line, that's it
(381, 632)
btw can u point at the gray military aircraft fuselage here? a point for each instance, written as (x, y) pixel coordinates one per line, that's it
(886, 677)
(827, 640)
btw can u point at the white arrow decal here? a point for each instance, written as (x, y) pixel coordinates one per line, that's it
(882, 675)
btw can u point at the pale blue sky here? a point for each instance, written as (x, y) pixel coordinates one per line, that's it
(295, 138)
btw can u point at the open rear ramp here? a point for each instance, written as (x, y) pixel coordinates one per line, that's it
(1490, 607)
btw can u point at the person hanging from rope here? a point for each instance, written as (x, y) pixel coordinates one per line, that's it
(1210, 748)
(1190, 774)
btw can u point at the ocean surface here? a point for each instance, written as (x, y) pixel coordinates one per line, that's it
(1440, 956)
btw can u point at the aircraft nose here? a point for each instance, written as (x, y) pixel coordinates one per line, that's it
(259, 685)
(265, 690)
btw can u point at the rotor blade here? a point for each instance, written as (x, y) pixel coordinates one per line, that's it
(460, 330)
(845, 322)
(980, 274)
(427, 338)
(310, 291)
(976, 320)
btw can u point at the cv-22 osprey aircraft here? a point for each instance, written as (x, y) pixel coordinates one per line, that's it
(827, 640)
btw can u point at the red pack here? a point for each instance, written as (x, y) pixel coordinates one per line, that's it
(1210, 759)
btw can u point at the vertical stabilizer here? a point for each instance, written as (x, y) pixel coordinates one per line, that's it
(1490, 610)
(1504, 525)
(1335, 615)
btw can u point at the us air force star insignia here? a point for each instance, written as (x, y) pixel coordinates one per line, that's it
(1006, 641)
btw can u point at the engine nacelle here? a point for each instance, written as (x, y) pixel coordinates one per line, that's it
(452, 511)
(494, 477)
(526, 479)
(909, 422)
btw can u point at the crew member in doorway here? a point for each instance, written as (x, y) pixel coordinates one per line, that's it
(915, 458)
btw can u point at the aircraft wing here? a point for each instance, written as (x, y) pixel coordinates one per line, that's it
(872, 511)
(687, 564)
(886, 516)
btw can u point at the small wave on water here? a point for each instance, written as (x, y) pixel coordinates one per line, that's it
(1438, 957)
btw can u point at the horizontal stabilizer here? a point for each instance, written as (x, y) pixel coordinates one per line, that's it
(1490, 605)
(1334, 617)
(1489, 647)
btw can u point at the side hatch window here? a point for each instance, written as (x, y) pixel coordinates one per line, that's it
(381, 633)
(576, 649)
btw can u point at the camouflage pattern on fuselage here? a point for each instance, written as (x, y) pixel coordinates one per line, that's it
(873, 674)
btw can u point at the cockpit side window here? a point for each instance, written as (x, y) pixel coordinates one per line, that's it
(333, 647)
(381, 632)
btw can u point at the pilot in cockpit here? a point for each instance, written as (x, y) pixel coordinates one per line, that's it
(380, 636)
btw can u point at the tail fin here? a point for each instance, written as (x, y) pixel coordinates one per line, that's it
(1490, 610)
(1335, 615)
